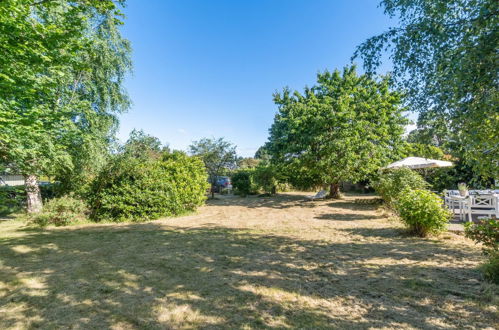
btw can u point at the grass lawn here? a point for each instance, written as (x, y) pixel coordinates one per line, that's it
(243, 263)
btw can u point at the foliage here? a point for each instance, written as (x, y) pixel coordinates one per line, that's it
(217, 155)
(486, 232)
(61, 84)
(449, 177)
(444, 54)
(422, 211)
(342, 129)
(391, 184)
(265, 178)
(462, 187)
(13, 198)
(422, 150)
(139, 189)
(60, 211)
(142, 145)
(247, 162)
(241, 181)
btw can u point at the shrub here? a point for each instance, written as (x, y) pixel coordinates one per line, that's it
(391, 184)
(486, 232)
(12, 199)
(241, 181)
(422, 211)
(265, 178)
(141, 189)
(60, 211)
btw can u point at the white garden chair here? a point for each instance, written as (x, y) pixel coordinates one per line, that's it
(482, 204)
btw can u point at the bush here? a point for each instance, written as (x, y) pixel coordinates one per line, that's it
(264, 178)
(422, 211)
(241, 181)
(391, 184)
(13, 198)
(141, 189)
(60, 211)
(487, 233)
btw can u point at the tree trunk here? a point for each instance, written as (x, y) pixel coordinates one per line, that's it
(33, 196)
(334, 191)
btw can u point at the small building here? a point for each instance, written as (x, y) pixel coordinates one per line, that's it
(11, 180)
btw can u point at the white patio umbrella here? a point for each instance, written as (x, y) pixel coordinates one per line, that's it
(419, 162)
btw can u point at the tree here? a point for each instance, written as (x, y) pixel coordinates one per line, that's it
(217, 155)
(247, 162)
(142, 145)
(445, 58)
(61, 73)
(342, 129)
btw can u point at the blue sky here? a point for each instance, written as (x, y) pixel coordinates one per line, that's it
(209, 68)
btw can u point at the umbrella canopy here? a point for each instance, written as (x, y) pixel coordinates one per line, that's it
(419, 162)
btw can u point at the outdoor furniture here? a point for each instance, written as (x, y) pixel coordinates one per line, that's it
(458, 202)
(321, 194)
(485, 204)
(419, 162)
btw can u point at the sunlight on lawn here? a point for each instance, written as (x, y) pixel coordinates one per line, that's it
(242, 263)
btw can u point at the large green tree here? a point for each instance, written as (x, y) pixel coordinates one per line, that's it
(446, 58)
(62, 65)
(342, 129)
(218, 156)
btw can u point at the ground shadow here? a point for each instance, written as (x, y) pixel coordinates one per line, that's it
(348, 217)
(279, 201)
(152, 276)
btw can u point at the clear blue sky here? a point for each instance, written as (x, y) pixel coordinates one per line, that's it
(209, 68)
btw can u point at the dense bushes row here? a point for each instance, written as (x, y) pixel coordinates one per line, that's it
(137, 189)
(261, 179)
(130, 188)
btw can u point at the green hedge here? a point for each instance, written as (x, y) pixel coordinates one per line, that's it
(241, 181)
(130, 189)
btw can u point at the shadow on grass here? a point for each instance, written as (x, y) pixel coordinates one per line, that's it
(279, 201)
(348, 217)
(151, 276)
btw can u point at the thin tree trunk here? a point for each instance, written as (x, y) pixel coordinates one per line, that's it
(33, 196)
(334, 191)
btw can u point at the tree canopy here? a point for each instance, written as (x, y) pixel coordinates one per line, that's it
(445, 57)
(217, 154)
(342, 129)
(61, 73)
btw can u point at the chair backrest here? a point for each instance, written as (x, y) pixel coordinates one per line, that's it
(486, 201)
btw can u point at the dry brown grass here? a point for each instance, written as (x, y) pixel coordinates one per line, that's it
(243, 263)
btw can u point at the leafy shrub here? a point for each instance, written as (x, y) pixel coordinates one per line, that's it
(241, 181)
(486, 232)
(264, 178)
(13, 198)
(60, 211)
(140, 189)
(391, 184)
(422, 211)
